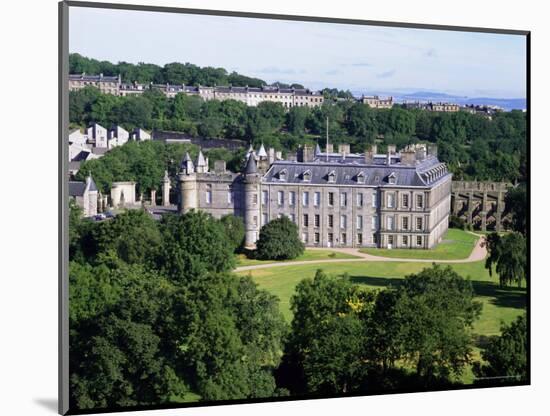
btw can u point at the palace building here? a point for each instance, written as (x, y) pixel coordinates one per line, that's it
(337, 199)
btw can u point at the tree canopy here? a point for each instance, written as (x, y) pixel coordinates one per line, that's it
(279, 240)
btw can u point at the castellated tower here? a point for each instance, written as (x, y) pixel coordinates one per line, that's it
(188, 199)
(252, 201)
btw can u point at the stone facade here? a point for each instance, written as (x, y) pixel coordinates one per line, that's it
(251, 96)
(123, 194)
(397, 200)
(480, 204)
(105, 84)
(374, 101)
(86, 196)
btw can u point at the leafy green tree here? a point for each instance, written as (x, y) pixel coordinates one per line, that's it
(516, 204)
(133, 235)
(234, 230)
(505, 357)
(508, 254)
(231, 344)
(296, 120)
(361, 122)
(325, 311)
(279, 240)
(116, 356)
(439, 308)
(194, 244)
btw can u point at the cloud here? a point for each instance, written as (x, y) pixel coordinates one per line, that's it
(361, 64)
(387, 74)
(332, 72)
(431, 53)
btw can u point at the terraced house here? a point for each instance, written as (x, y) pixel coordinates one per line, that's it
(252, 96)
(337, 199)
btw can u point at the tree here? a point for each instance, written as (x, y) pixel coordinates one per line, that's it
(509, 255)
(439, 309)
(516, 203)
(505, 357)
(296, 120)
(194, 244)
(234, 230)
(279, 240)
(117, 355)
(326, 310)
(133, 235)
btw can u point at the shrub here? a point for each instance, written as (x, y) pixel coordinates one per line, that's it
(279, 241)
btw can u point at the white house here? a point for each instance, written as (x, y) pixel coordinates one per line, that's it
(77, 137)
(117, 136)
(100, 134)
(140, 134)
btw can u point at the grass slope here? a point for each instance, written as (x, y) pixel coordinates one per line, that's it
(312, 255)
(499, 304)
(457, 244)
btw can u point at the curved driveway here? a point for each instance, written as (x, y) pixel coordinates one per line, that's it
(478, 253)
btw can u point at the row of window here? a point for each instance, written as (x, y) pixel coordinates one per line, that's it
(359, 201)
(344, 221)
(405, 240)
(342, 239)
(373, 239)
(390, 202)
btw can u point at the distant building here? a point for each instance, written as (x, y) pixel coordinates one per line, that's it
(251, 96)
(444, 107)
(140, 135)
(85, 194)
(105, 84)
(436, 107)
(117, 136)
(98, 135)
(374, 101)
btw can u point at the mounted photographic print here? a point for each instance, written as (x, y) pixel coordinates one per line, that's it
(267, 208)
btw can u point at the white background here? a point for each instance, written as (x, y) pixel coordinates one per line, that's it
(28, 205)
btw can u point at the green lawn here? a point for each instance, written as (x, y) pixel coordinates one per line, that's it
(242, 260)
(499, 304)
(457, 244)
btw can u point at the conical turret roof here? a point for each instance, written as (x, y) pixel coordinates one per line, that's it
(201, 161)
(262, 152)
(251, 167)
(317, 149)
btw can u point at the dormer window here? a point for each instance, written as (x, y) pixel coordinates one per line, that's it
(331, 177)
(392, 178)
(360, 177)
(282, 175)
(306, 176)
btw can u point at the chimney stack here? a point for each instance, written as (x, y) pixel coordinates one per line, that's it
(219, 166)
(390, 151)
(420, 152)
(432, 149)
(343, 149)
(408, 156)
(369, 153)
(305, 153)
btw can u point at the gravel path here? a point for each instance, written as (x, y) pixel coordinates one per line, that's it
(478, 253)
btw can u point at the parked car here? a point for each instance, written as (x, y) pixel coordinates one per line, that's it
(110, 214)
(100, 217)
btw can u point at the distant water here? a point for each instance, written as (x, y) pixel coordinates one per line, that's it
(507, 104)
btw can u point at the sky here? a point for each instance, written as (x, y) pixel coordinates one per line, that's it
(317, 55)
